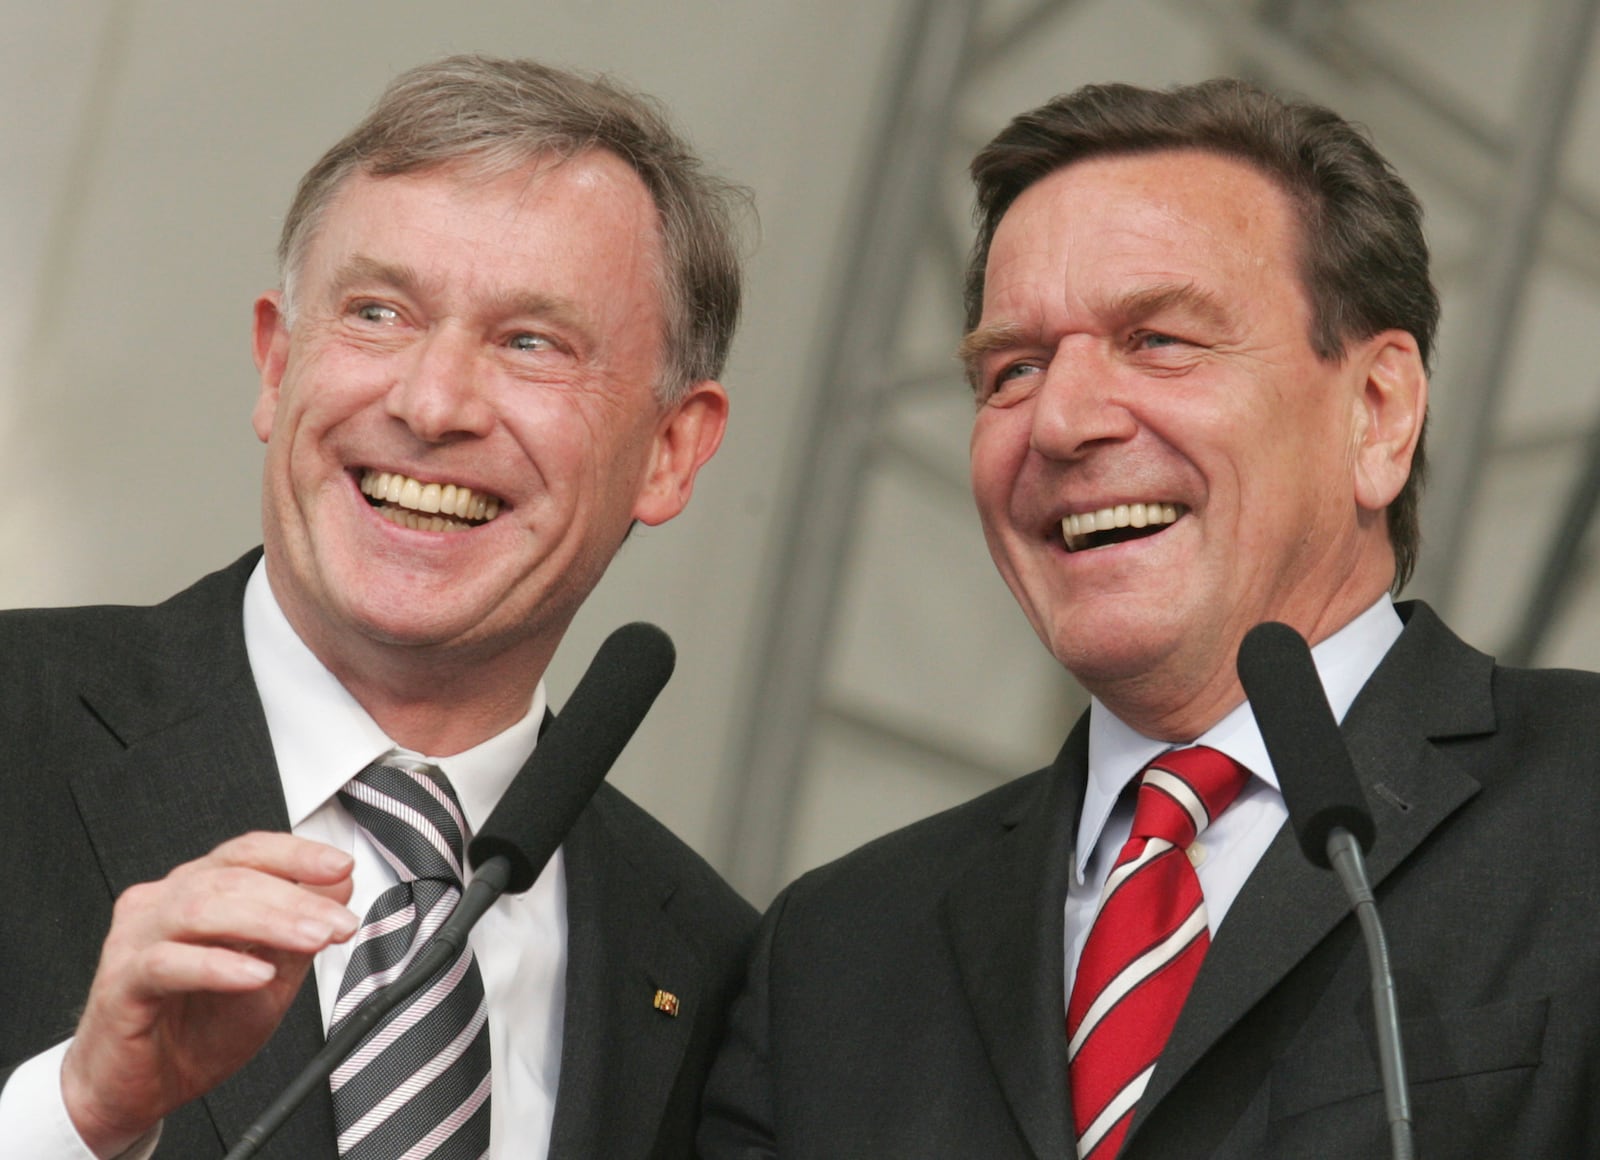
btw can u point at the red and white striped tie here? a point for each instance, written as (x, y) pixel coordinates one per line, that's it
(1145, 947)
(418, 1085)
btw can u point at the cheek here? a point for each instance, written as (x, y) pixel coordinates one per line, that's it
(995, 453)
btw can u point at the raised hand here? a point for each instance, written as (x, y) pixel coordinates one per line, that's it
(195, 975)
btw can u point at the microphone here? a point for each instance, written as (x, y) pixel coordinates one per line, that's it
(1318, 782)
(576, 753)
(1330, 818)
(533, 817)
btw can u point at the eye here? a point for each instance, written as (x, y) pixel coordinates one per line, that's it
(1153, 340)
(530, 342)
(377, 312)
(1009, 374)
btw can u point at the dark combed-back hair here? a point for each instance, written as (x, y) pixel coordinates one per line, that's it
(1363, 260)
(498, 115)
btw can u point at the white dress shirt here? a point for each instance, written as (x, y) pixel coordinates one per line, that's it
(321, 738)
(1233, 844)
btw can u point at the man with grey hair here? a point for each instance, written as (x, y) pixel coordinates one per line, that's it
(1198, 327)
(506, 299)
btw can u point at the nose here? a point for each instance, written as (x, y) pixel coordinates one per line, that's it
(439, 393)
(1080, 406)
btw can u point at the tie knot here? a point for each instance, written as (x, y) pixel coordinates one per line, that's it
(1183, 791)
(411, 813)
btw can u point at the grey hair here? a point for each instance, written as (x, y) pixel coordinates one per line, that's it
(496, 116)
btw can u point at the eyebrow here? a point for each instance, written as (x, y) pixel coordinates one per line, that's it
(986, 339)
(360, 268)
(1140, 305)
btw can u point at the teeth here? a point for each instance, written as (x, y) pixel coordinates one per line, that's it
(453, 503)
(422, 522)
(1124, 515)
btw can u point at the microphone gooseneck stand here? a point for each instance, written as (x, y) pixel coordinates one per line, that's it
(1344, 853)
(1331, 820)
(488, 883)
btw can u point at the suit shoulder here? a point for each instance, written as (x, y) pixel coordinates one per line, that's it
(660, 854)
(94, 633)
(926, 852)
(1540, 707)
(1550, 687)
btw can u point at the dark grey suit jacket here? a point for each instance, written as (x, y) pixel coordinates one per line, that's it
(133, 740)
(906, 1001)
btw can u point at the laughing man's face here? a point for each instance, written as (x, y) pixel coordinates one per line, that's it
(1160, 459)
(461, 417)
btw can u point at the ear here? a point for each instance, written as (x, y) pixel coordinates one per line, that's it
(270, 345)
(688, 434)
(1391, 407)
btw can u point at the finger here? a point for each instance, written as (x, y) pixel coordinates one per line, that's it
(339, 891)
(230, 905)
(181, 968)
(282, 855)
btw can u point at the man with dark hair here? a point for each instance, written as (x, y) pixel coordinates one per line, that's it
(506, 299)
(1198, 328)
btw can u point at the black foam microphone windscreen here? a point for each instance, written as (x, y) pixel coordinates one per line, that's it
(576, 752)
(1314, 772)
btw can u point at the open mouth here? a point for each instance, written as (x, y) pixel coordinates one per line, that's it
(1115, 525)
(427, 507)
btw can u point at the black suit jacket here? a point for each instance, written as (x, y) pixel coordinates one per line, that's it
(906, 1001)
(133, 740)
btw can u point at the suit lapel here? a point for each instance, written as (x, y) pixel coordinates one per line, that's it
(1005, 923)
(1430, 686)
(195, 768)
(620, 1056)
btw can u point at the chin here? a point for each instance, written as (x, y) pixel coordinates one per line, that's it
(406, 619)
(1111, 653)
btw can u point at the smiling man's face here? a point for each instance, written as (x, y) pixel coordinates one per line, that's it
(461, 421)
(1143, 360)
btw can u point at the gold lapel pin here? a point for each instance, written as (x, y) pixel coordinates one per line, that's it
(666, 1001)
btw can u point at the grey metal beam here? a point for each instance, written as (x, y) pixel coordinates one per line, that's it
(1561, 559)
(1432, 134)
(1544, 111)
(823, 497)
(1572, 230)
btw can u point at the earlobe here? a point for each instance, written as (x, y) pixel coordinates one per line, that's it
(270, 346)
(687, 435)
(1393, 404)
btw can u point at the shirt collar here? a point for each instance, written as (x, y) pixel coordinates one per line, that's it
(1117, 753)
(322, 737)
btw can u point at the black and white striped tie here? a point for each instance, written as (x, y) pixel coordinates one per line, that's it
(418, 1086)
